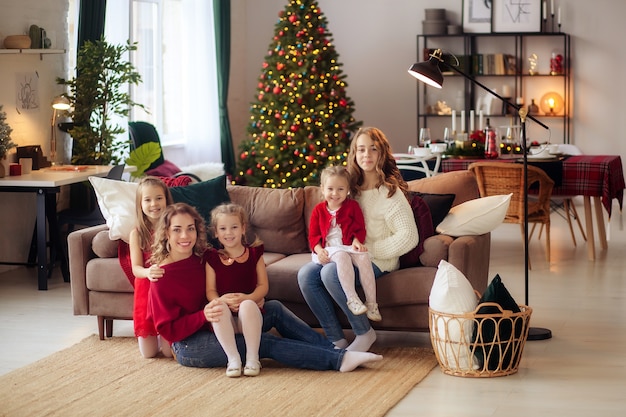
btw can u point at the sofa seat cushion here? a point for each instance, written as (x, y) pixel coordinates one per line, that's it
(284, 233)
(284, 278)
(106, 275)
(403, 287)
(270, 258)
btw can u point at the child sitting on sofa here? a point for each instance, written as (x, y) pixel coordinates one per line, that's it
(236, 276)
(337, 233)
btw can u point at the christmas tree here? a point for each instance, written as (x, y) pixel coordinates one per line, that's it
(6, 144)
(301, 120)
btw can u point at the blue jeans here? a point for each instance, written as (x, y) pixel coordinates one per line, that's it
(321, 289)
(299, 347)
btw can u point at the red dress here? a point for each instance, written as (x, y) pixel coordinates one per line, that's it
(237, 277)
(144, 326)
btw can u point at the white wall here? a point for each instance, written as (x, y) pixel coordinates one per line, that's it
(17, 210)
(376, 42)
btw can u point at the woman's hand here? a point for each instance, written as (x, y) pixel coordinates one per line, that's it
(155, 272)
(213, 311)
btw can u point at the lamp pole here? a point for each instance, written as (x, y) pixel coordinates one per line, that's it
(430, 73)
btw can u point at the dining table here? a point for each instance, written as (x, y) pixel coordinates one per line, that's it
(597, 178)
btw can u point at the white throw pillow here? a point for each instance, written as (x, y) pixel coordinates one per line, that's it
(475, 217)
(116, 200)
(452, 293)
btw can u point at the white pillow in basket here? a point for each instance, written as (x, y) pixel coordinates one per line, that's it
(452, 293)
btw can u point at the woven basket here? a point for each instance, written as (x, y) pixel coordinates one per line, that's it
(491, 353)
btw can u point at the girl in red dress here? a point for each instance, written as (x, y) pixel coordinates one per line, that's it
(236, 276)
(151, 199)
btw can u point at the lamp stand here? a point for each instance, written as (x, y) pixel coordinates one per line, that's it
(534, 333)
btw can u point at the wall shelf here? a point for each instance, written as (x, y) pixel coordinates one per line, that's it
(30, 51)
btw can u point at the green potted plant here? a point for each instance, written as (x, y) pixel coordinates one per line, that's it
(6, 144)
(97, 92)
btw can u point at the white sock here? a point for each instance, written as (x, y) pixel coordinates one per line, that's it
(364, 342)
(352, 360)
(341, 344)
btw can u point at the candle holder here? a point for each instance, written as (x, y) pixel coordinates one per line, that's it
(551, 104)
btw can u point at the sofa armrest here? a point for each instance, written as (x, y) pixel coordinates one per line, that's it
(470, 254)
(79, 253)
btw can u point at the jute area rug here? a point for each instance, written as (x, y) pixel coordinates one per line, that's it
(109, 378)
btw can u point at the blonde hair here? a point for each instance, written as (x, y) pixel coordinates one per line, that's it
(232, 209)
(160, 247)
(334, 171)
(386, 168)
(144, 225)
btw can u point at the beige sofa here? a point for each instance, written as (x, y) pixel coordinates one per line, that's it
(280, 219)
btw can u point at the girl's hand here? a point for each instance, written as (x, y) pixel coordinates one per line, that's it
(359, 247)
(213, 311)
(323, 257)
(155, 272)
(233, 300)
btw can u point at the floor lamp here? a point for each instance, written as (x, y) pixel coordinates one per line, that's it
(429, 73)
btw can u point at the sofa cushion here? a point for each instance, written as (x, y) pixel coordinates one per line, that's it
(116, 200)
(423, 220)
(284, 233)
(166, 169)
(204, 196)
(103, 246)
(460, 183)
(475, 217)
(438, 204)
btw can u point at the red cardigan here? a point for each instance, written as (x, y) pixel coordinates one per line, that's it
(349, 217)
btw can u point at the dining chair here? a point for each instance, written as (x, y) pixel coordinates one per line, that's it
(498, 178)
(564, 205)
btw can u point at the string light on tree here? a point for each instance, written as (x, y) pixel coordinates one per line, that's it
(302, 118)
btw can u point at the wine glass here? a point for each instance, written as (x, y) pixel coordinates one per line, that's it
(424, 139)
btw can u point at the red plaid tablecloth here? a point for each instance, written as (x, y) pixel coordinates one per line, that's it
(588, 175)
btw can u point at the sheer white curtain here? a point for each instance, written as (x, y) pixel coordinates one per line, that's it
(199, 112)
(179, 79)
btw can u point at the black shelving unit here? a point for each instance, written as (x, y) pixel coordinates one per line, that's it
(468, 47)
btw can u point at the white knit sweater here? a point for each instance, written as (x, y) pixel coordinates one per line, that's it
(390, 226)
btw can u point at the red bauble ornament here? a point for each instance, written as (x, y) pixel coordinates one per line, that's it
(320, 31)
(294, 128)
(309, 158)
(265, 65)
(260, 97)
(343, 102)
(280, 66)
(292, 18)
(243, 155)
(277, 115)
(249, 171)
(276, 90)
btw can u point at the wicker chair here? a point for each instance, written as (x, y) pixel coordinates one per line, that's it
(497, 178)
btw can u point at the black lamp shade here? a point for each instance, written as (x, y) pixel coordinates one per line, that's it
(428, 72)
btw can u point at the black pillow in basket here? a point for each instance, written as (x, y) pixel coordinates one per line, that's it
(496, 352)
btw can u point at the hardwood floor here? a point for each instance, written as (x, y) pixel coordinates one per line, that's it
(580, 371)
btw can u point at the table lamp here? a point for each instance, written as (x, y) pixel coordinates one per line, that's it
(429, 73)
(59, 103)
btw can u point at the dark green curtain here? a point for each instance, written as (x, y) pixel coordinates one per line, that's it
(91, 20)
(221, 10)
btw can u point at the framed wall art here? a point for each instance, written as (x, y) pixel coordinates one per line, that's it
(476, 16)
(516, 16)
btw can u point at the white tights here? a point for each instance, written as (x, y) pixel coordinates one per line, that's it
(248, 321)
(345, 271)
(150, 346)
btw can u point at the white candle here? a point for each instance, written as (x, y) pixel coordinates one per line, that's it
(462, 121)
(552, 7)
(559, 17)
(471, 120)
(454, 120)
(545, 13)
(480, 119)
(506, 90)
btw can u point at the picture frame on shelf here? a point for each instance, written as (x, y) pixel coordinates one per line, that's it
(477, 16)
(512, 16)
